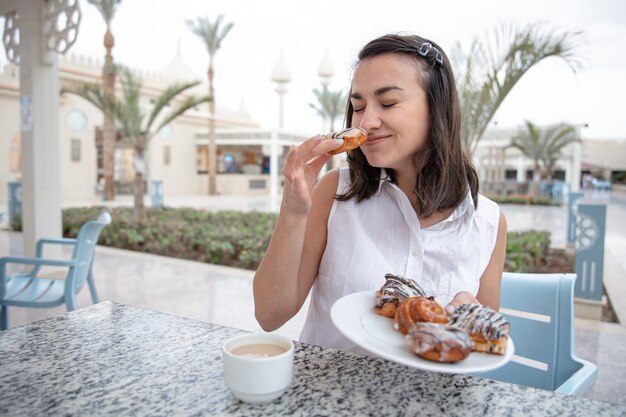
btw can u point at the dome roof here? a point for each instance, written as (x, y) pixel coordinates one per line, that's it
(179, 69)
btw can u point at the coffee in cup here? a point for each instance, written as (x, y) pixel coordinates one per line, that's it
(258, 367)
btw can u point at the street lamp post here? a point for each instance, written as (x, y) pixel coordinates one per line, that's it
(281, 75)
(326, 70)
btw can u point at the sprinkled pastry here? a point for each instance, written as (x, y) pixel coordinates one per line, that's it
(487, 328)
(439, 342)
(395, 290)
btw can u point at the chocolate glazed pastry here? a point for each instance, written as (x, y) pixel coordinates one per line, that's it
(439, 342)
(488, 329)
(395, 290)
(353, 137)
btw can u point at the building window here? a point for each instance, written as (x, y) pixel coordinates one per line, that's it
(167, 155)
(75, 150)
(76, 120)
(510, 174)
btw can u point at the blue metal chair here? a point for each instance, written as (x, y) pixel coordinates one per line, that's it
(541, 312)
(29, 290)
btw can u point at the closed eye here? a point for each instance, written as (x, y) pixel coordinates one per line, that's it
(386, 106)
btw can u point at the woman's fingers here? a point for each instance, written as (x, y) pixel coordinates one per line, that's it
(292, 161)
(328, 145)
(319, 161)
(462, 297)
(315, 146)
(307, 153)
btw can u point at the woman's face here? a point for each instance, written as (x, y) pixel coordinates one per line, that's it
(391, 105)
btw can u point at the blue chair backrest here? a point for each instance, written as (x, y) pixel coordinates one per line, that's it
(540, 310)
(84, 249)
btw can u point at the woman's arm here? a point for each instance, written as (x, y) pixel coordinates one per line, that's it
(289, 267)
(489, 289)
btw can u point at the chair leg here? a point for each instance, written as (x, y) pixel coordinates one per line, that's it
(4, 318)
(70, 302)
(92, 288)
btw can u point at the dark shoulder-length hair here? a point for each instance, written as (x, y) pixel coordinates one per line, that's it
(444, 169)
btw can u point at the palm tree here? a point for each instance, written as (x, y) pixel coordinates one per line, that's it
(492, 67)
(561, 136)
(330, 104)
(212, 34)
(136, 126)
(543, 146)
(107, 9)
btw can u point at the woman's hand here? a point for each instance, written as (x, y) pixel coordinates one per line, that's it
(302, 166)
(462, 297)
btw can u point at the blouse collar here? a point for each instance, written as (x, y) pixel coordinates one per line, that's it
(467, 204)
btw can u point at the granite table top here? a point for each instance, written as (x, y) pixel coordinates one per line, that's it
(115, 359)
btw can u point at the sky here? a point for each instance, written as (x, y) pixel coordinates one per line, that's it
(147, 33)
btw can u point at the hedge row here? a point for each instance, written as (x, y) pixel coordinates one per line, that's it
(238, 239)
(228, 238)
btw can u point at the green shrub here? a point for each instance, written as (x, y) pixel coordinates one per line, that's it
(226, 238)
(525, 250)
(522, 199)
(238, 239)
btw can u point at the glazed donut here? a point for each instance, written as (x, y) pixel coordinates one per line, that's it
(488, 329)
(418, 309)
(395, 290)
(353, 137)
(439, 342)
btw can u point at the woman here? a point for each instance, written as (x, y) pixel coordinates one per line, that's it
(407, 205)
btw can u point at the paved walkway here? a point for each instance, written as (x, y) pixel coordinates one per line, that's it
(224, 295)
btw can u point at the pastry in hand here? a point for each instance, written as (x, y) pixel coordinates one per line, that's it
(353, 137)
(439, 342)
(395, 290)
(488, 329)
(418, 309)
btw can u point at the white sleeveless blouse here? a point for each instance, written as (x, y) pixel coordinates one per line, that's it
(382, 235)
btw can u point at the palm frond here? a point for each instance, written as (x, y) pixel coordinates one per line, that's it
(107, 9)
(329, 104)
(180, 109)
(211, 33)
(130, 114)
(165, 99)
(496, 63)
(92, 92)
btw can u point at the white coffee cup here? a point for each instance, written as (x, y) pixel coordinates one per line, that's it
(257, 373)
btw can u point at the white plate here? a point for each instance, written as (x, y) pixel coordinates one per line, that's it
(354, 316)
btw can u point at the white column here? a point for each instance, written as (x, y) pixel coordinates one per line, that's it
(521, 169)
(39, 91)
(274, 168)
(281, 90)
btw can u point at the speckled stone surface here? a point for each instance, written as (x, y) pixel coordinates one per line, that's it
(113, 359)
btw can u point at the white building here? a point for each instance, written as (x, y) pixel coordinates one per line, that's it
(177, 155)
(503, 169)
